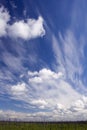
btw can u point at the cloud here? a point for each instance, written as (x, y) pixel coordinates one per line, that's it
(13, 62)
(58, 114)
(32, 28)
(65, 53)
(4, 19)
(18, 89)
(44, 89)
(49, 95)
(79, 105)
(40, 103)
(27, 30)
(44, 74)
(12, 115)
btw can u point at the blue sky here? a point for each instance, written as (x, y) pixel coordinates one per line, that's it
(43, 60)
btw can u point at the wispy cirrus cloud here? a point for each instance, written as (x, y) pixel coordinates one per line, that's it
(4, 19)
(69, 58)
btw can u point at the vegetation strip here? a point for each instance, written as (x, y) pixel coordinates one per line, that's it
(43, 125)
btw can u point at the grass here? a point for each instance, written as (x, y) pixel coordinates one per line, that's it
(43, 126)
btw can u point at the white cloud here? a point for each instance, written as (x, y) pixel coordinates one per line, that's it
(59, 109)
(32, 28)
(54, 98)
(78, 106)
(44, 116)
(40, 103)
(44, 74)
(35, 80)
(13, 62)
(4, 18)
(68, 59)
(18, 92)
(45, 89)
(30, 73)
(70, 47)
(27, 30)
(19, 89)
(12, 115)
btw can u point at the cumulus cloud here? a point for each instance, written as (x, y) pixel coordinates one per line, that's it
(54, 85)
(44, 74)
(40, 103)
(27, 30)
(45, 89)
(32, 28)
(18, 89)
(79, 105)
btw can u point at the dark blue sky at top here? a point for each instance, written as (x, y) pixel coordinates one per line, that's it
(35, 54)
(57, 12)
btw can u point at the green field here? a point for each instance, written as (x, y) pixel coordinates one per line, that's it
(42, 126)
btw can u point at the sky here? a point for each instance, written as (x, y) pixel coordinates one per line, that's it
(43, 60)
